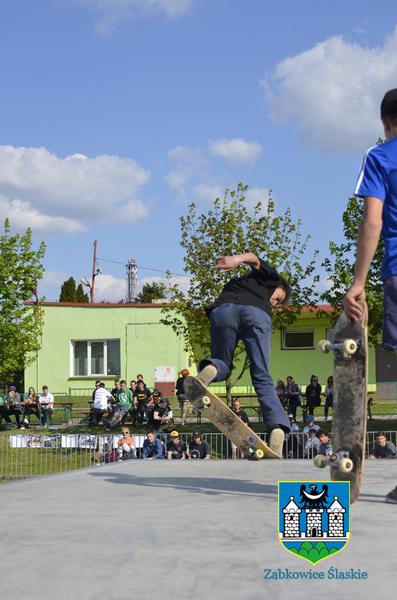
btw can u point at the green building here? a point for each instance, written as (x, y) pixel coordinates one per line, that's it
(85, 342)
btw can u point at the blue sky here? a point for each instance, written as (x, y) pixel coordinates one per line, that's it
(117, 113)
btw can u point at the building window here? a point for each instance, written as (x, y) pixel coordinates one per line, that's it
(297, 340)
(95, 357)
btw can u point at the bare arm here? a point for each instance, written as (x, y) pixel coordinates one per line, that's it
(228, 263)
(368, 238)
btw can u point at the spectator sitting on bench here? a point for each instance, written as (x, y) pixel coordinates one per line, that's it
(46, 404)
(30, 407)
(383, 448)
(158, 415)
(100, 404)
(141, 399)
(123, 404)
(152, 447)
(14, 405)
(310, 425)
(4, 409)
(126, 445)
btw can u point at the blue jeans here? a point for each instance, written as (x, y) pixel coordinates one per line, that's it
(231, 323)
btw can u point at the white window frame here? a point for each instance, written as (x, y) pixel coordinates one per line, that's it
(105, 357)
(285, 331)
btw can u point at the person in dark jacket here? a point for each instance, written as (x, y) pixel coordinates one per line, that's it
(243, 311)
(313, 395)
(152, 447)
(180, 392)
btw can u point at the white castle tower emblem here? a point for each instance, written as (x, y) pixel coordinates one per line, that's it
(314, 507)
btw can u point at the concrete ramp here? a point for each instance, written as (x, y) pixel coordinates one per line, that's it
(182, 530)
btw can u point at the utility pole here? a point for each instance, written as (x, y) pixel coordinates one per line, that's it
(94, 274)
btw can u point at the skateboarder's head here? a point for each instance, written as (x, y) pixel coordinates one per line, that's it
(388, 113)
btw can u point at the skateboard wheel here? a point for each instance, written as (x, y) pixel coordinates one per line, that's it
(349, 346)
(320, 461)
(259, 453)
(206, 401)
(346, 465)
(323, 345)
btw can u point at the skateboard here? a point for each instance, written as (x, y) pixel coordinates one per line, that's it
(349, 412)
(225, 420)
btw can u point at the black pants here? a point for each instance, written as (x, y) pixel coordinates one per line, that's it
(30, 410)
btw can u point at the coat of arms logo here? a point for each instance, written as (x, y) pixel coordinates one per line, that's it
(314, 518)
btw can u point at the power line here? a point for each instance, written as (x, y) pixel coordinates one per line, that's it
(117, 262)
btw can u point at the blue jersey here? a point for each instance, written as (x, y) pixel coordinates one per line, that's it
(378, 178)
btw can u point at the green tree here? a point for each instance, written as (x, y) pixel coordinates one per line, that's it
(231, 227)
(81, 297)
(68, 291)
(339, 267)
(21, 269)
(152, 291)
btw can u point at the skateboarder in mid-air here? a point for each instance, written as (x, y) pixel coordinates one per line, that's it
(377, 184)
(243, 312)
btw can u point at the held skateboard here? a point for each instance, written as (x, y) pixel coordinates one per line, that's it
(349, 412)
(225, 420)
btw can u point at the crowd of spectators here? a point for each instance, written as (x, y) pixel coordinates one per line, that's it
(39, 405)
(292, 397)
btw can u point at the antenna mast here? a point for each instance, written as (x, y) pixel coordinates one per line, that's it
(132, 278)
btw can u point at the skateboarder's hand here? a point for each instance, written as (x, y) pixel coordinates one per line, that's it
(353, 302)
(228, 263)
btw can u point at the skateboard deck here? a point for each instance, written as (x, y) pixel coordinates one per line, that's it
(225, 420)
(349, 412)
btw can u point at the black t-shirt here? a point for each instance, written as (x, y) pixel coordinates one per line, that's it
(142, 397)
(177, 450)
(202, 448)
(254, 289)
(242, 415)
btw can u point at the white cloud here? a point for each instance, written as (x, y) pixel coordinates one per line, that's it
(236, 150)
(183, 281)
(257, 194)
(332, 92)
(189, 163)
(48, 193)
(208, 193)
(110, 288)
(111, 12)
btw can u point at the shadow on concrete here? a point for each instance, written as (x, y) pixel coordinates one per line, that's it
(198, 485)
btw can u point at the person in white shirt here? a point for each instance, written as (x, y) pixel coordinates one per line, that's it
(101, 398)
(46, 406)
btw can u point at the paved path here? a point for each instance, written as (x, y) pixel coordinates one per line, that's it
(181, 530)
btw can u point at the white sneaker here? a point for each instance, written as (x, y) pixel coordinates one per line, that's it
(207, 375)
(276, 441)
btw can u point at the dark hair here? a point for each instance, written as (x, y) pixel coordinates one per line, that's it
(45, 387)
(381, 433)
(150, 431)
(287, 289)
(102, 385)
(98, 381)
(123, 381)
(321, 432)
(388, 107)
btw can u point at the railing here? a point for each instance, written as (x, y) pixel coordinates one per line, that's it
(28, 455)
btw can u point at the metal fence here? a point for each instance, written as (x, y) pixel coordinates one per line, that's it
(27, 455)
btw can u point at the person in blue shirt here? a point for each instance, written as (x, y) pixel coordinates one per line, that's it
(377, 184)
(152, 447)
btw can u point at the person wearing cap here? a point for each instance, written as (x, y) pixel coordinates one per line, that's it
(310, 425)
(377, 185)
(176, 449)
(14, 404)
(180, 392)
(199, 448)
(243, 311)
